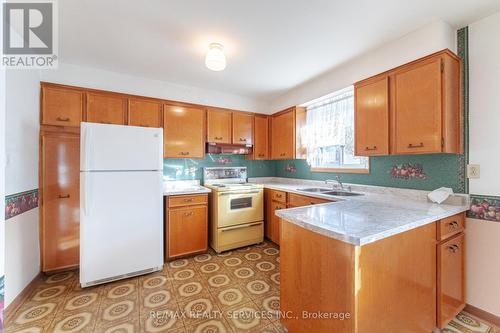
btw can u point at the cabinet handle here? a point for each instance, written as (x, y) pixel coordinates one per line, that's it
(188, 200)
(62, 119)
(278, 195)
(282, 154)
(63, 196)
(184, 153)
(261, 155)
(218, 138)
(188, 214)
(411, 145)
(372, 148)
(243, 139)
(454, 248)
(454, 225)
(312, 203)
(277, 208)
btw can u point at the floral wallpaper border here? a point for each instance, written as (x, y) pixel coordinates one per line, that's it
(484, 208)
(19, 203)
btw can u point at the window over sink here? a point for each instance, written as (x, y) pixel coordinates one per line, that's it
(329, 134)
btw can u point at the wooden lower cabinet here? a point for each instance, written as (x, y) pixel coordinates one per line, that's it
(60, 200)
(186, 226)
(389, 285)
(451, 278)
(275, 200)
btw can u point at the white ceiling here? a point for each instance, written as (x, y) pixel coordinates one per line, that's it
(271, 45)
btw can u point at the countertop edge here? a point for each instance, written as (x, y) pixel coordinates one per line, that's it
(202, 190)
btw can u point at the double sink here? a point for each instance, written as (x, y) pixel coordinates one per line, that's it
(325, 191)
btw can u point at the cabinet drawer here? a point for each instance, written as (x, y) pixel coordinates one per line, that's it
(187, 200)
(451, 226)
(297, 200)
(278, 196)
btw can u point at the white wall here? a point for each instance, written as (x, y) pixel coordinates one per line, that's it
(429, 39)
(106, 80)
(22, 252)
(483, 237)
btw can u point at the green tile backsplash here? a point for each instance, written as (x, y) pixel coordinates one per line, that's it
(186, 168)
(437, 170)
(434, 170)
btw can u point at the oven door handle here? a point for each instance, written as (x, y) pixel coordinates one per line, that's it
(242, 192)
(241, 226)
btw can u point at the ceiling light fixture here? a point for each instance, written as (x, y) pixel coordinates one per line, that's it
(215, 58)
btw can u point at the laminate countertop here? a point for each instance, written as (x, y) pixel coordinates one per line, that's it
(358, 220)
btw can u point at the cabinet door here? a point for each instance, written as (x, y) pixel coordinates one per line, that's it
(63, 107)
(416, 108)
(144, 113)
(187, 231)
(261, 138)
(451, 282)
(183, 132)
(60, 205)
(276, 221)
(283, 136)
(218, 126)
(242, 128)
(106, 108)
(371, 117)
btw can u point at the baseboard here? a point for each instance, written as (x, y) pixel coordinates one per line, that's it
(481, 314)
(19, 300)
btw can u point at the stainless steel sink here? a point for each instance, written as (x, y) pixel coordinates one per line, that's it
(314, 189)
(342, 193)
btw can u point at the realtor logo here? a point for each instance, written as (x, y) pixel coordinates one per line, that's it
(29, 34)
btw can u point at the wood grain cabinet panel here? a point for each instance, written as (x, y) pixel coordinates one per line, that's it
(183, 132)
(276, 222)
(451, 279)
(242, 128)
(145, 113)
(297, 200)
(61, 106)
(412, 109)
(218, 126)
(372, 117)
(283, 135)
(186, 231)
(261, 138)
(60, 200)
(106, 108)
(417, 108)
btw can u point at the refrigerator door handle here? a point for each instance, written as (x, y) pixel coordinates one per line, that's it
(87, 146)
(85, 190)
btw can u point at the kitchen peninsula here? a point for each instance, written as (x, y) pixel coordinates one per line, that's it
(392, 261)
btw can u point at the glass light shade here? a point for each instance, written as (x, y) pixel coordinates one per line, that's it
(215, 58)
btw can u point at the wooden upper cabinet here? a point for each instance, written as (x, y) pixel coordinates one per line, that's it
(261, 138)
(283, 135)
(424, 107)
(372, 117)
(61, 106)
(183, 131)
(417, 108)
(242, 128)
(143, 112)
(218, 125)
(60, 200)
(106, 108)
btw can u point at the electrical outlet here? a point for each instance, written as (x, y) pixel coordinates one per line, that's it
(473, 171)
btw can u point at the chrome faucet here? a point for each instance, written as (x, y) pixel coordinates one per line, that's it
(337, 180)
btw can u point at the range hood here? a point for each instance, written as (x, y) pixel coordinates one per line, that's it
(224, 148)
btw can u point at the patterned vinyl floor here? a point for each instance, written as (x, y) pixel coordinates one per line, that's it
(189, 295)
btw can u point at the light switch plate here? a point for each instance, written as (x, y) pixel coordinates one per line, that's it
(473, 171)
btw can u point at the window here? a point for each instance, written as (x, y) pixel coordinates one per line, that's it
(329, 134)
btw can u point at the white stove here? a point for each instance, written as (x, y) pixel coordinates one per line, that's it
(237, 208)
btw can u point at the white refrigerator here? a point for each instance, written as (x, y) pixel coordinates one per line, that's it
(121, 202)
